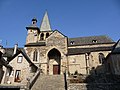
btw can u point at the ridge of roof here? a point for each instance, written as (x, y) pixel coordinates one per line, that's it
(91, 37)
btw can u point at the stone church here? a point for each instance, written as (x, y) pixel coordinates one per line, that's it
(48, 55)
(55, 53)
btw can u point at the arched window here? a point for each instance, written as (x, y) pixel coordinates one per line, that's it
(101, 58)
(35, 55)
(47, 35)
(42, 37)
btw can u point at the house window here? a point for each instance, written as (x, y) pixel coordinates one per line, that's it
(17, 75)
(101, 58)
(19, 59)
(35, 55)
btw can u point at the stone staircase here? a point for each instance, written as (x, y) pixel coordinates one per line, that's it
(49, 82)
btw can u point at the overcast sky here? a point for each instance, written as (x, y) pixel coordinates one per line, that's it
(73, 18)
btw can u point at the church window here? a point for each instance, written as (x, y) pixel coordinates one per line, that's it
(17, 75)
(35, 55)
(42, 37)
(47, 35)
(101, 58)
(19, 60)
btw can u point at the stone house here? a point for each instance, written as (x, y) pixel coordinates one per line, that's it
(22, 68)
(56, 53)
(113, 60)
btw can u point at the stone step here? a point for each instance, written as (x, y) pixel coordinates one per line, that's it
(49, 82)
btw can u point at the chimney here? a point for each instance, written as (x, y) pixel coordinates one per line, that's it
(15, 49)
(1, 49)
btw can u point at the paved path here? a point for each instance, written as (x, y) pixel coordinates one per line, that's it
(49, 82)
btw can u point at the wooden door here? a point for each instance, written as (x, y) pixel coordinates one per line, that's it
(56, 69)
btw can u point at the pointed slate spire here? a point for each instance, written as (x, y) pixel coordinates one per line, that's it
(45, 25)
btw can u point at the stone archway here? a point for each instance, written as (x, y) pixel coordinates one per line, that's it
(54, 62)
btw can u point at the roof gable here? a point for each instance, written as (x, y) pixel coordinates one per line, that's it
(19, 51)
(56, 33)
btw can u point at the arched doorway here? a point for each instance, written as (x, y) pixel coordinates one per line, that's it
(54, 62)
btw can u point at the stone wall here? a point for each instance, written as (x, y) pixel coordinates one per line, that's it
(94, 86)
(77, 63)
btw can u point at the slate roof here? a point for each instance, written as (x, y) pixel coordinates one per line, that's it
(4, 62)
(102, 39)
(9, 52)
(74, 51)
(36, 44)
(45, 25)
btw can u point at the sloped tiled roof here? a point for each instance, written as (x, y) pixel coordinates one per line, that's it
(4, 62)
(9, 52)
(103, 39)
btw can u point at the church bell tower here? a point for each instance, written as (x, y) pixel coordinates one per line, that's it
(32, 32)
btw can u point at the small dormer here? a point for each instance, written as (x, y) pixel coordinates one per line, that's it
(94, 41)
